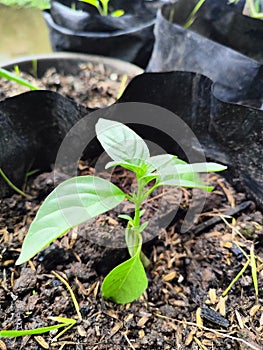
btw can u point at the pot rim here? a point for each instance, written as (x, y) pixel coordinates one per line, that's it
(120, 65)
(63, 30)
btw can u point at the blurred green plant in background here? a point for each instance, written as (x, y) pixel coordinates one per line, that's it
(40, 4)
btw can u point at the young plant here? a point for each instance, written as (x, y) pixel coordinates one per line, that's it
(63, 322)
(103, 7)
(253, 7)
(81, 198)
(16, 78)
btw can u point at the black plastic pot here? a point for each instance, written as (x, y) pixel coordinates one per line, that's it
(129, 37)
(33, 124)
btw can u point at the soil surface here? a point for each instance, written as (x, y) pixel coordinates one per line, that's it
(183, 306)
(96, 86)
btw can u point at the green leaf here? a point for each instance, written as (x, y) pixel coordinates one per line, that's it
(162, 161)
(13, 77)
(91, 2)
(143, 226)
(142, 212)
(125, 217)
(121, 143)
(253, 264)
(175, 172)
(168, 161)
(41, 4)
(126, 282)
(65, 322)
(127, 165)
(71, 203)
(117, 13)
(190, 180)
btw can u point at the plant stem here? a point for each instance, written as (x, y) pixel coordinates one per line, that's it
(16, 189)
(137, 220)
(133, 233)
(190, 20)
(105, 7)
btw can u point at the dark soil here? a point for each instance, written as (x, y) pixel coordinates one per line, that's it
(96, 86)
(182, 308)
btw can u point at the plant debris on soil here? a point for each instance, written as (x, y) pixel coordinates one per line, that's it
(183, 306)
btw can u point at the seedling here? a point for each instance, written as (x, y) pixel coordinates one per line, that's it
(63, 322)
(103, 7)
(10, 183)
(15, 77)
(190, 20)
(251, 260)
(253, 7)
(83, 197)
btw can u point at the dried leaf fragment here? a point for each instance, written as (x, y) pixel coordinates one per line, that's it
(190, 337)
(41, 341)
(254, 310)
(116, 328)
(2, 345)
(212, 295)
(169, 277)
(198, 317)
(221, 306)
(239, 319)
(142, 321)
(81, 331)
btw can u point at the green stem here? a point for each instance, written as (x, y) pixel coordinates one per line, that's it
(136, 219)
(133, 234)
(190, 20)
(10, 76)
(16, 189)
(236, 278)
(104, 7)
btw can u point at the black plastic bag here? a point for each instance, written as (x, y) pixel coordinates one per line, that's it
(129, 37)
(32, 127)
(177, 48)
(220, 21)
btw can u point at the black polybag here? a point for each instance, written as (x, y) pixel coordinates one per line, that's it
(32, 127)
(128, 37)
(222, 22)
(229, 133)
(177, 48)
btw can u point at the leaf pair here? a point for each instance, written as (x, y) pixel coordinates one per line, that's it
(131, 152)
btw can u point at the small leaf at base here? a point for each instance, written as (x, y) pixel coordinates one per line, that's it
(126, 282)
